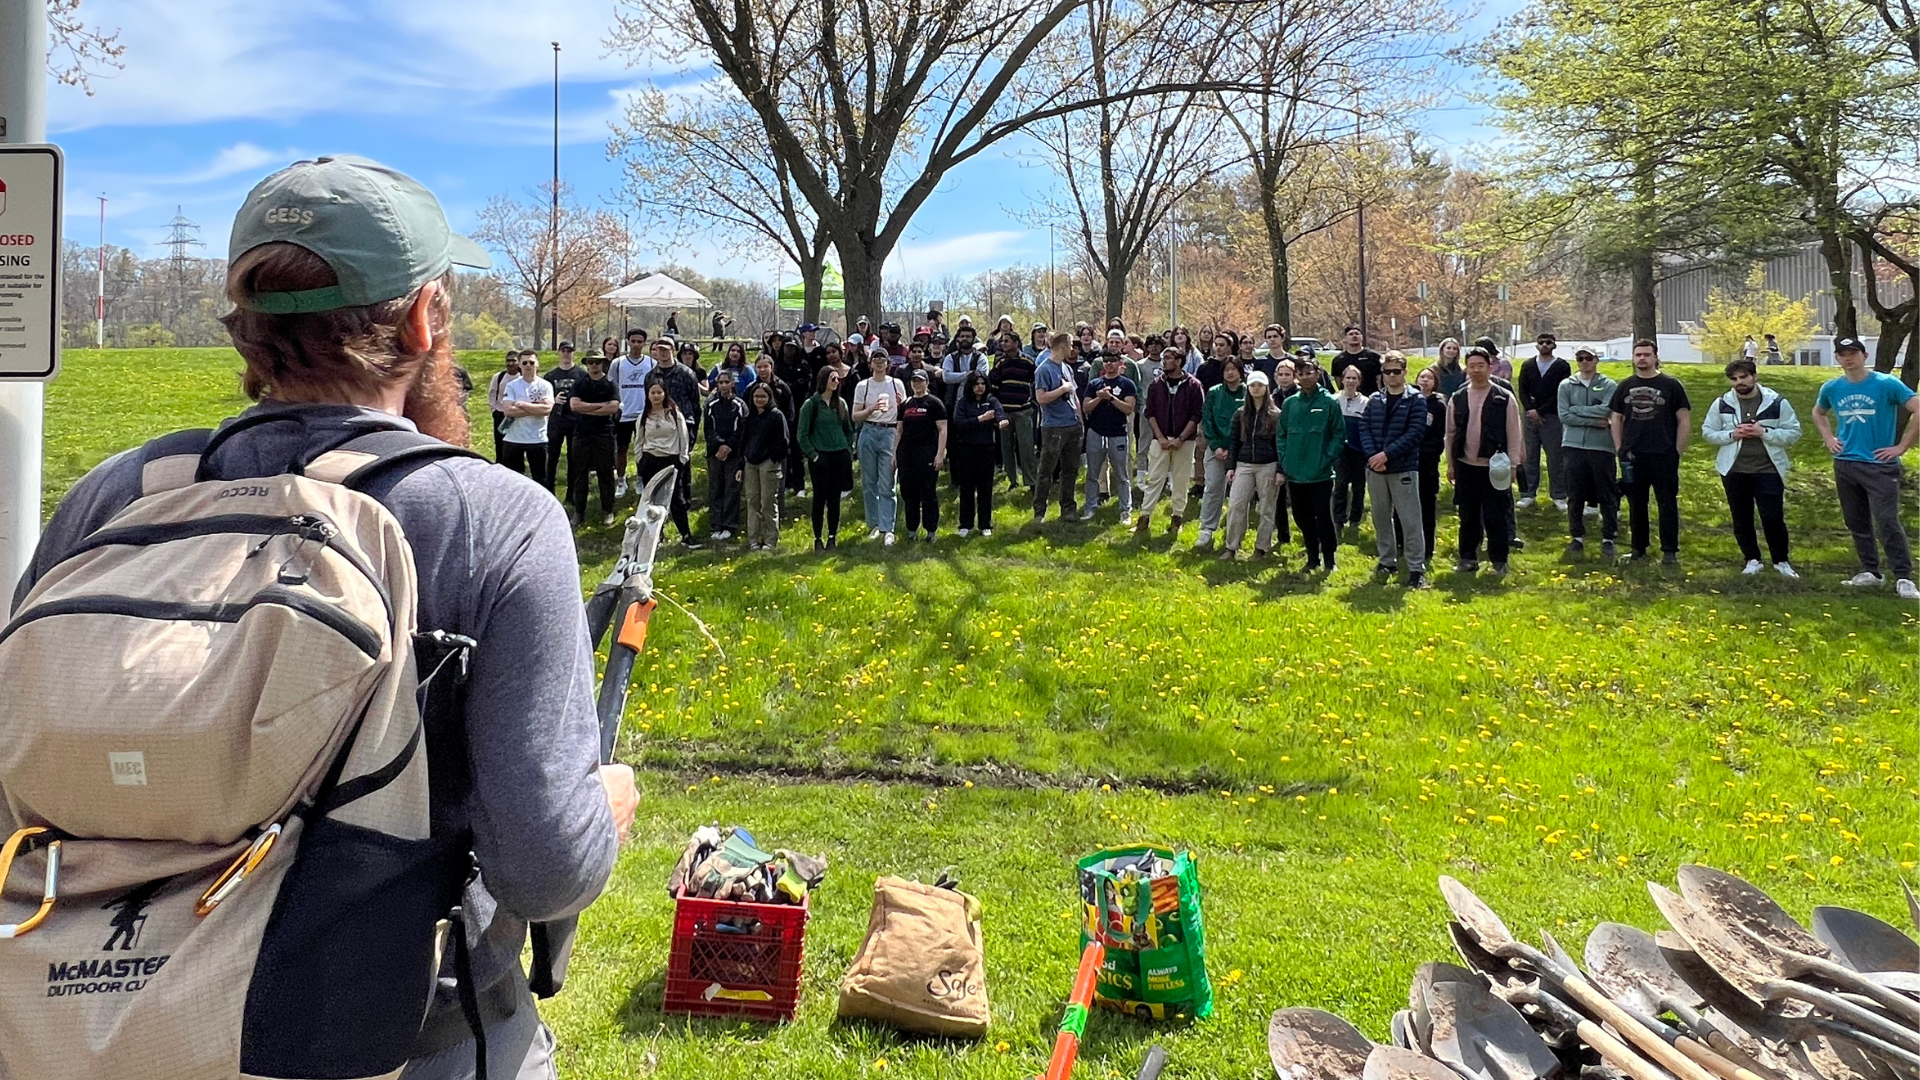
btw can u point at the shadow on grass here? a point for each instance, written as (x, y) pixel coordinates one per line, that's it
(641, 1015)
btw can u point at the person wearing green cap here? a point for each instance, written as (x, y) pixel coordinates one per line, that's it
(339, 270)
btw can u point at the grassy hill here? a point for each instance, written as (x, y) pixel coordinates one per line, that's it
(1326, 746)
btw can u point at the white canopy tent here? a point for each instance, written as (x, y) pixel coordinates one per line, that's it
(656, 291)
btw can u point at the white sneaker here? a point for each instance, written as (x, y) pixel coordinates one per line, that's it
(1787, 571)
(963, 532)
(888, 540)
(986, 532)
(611, 519)
(620, 487)
(874, 534)
(1753, 567)
(1905, 589)
(1593, 511)
(1865, 579)
(1126, 520)
(723, 534)
(1560, 505)
(1204, 542)
(1524, 502)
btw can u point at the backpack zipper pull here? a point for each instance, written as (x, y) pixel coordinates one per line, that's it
(314, 534)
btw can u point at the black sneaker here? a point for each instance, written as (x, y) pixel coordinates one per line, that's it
(1517, 544)
(1499, 569)
(1609, 549)
(690, 543)
(819, 544)
(1670, 558)
(1385, 569)
(1417, 580)
(832, 542)
(1576, 547)
(1638, 556)
(1467, 566)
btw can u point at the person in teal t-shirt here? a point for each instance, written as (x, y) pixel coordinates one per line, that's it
(1866, 461)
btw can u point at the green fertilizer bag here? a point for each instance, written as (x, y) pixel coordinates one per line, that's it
(1143, 904)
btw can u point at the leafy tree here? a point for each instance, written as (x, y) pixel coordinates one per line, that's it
(150, 336)
(1753, 309)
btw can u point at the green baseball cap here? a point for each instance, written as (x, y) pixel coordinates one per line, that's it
(383, 233)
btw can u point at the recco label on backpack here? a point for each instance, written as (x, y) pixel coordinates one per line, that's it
(129, 767)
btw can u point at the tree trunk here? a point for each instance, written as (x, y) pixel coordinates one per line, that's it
(1838, 255)
(1645, 323)
(811, 285)
(539, 321)
(1281, 308)
(861, 273)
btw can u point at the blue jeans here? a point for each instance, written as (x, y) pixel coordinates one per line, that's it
(876, 476)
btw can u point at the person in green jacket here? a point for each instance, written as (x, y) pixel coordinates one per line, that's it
(1312, 433)
(826, 441)
(1216, 425)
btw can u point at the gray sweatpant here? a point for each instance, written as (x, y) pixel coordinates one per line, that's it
(518, 1048)
(1213, 496)
(1398, 494)
(1869, 502)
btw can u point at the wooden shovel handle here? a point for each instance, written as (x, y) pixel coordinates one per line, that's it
(1655, 1047)
(1714, 1063)
(1619, 1054)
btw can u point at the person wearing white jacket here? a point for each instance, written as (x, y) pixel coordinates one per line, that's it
(1753, 426)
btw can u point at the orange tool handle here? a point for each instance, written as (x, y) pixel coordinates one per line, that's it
(633, 629)
(1066, 1045)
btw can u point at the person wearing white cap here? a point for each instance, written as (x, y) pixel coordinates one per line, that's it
(1253, 457)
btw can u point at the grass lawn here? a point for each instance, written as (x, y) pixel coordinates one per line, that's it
(1327, 747)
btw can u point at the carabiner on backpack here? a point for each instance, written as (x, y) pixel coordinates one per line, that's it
(226, 883)
(28, 839)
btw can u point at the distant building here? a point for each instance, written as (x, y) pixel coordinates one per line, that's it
(1681, 298)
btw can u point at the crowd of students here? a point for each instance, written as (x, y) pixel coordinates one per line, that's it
(1269, 441)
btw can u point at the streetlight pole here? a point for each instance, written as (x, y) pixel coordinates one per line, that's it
(1360, 221)
(553, 325)
(23, 116)
(1053, 309)
(100, 297)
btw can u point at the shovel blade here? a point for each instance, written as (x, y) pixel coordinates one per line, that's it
(1863, 942)
(1484, 1038)
(1312, 1044)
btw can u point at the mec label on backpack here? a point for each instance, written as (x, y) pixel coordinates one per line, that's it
(219, 861)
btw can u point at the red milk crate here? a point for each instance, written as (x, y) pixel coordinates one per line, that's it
(733, 959)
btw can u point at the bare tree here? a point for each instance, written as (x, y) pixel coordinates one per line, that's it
(690, 157)
(871, 104)
(1127, 162)
(1313, 58)
(75, 51)
(549, 255)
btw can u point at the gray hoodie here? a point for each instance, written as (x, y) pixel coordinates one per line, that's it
(496, 563)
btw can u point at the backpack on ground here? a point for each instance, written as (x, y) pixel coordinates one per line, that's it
(220, 860)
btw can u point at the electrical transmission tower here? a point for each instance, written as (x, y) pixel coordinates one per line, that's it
(182, 237)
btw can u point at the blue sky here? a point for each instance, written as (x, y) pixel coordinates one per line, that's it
(217, 93)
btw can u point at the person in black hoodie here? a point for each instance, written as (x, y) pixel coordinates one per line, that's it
(1433, 447)
(725, 415)
(784, 401)
(978, 418)
(764, 443)
(922, 451)
(1538, 384)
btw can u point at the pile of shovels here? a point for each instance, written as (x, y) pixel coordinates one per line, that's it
(1736, 990)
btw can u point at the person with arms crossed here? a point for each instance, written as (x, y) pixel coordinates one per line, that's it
(1538, 385)
(825, 434)
(1253, 465)
(1062, 437)
(1010, 382)
(526, 402)
(560, 420)
(725, 423)
(363, 343)
(629, 375)
(1651, 421)
(1753, 426)
(763, 457)
(1866, 461)
(923, 451)
(1217, 410)
(1354, 353)
(595, 405)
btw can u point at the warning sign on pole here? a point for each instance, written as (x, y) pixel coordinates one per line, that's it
(30, 190)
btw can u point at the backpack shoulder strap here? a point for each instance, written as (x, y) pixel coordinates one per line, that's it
(358, 462)
(173, 461)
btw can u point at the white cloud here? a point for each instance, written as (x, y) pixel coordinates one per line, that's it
(241, 59)
(966, 254)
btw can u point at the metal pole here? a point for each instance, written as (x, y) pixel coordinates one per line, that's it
(1173, 275)
(23, 107)
(1053, 309)
(1361, 225)
(100, 298)
(553, 325)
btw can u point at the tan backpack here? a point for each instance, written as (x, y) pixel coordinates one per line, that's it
(921, 967)
(220, 861)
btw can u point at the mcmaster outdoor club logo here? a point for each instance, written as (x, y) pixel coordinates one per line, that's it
(110, 975)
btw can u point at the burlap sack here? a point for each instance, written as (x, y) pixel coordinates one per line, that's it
(921, 967)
